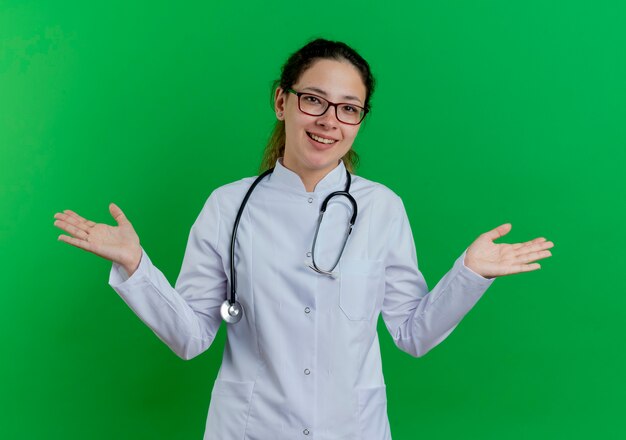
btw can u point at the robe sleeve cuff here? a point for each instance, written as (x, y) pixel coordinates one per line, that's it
(118, 277)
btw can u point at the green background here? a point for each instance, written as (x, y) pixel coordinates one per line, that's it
(486, 112)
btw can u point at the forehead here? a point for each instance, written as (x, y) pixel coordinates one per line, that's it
(338, 79)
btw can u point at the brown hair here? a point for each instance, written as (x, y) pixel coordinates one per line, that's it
(291, 71)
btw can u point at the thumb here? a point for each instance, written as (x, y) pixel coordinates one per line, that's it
(499, 231)
(117, 214)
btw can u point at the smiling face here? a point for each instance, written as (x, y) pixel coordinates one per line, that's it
(337, 81)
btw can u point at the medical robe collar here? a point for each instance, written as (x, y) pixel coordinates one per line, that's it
(288, 178)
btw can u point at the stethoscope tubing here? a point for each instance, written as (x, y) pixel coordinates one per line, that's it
(347, 194)
(232, 310)
(233, 275)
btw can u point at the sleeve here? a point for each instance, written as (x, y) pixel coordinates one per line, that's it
(186, 317)
(417, 319)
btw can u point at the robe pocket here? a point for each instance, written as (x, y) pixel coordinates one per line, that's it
(228, 410)
(373, 420)
(362, 281)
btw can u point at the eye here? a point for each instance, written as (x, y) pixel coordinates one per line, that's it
(311, 99)
(349, 109)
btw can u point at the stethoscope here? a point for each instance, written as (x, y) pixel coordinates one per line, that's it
(231, 309)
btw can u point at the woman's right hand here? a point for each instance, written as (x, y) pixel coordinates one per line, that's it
(119, 244)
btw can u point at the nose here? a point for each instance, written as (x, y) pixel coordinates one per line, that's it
(329, 118)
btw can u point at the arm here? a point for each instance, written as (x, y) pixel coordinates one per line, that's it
(417, 319)
(186, 317)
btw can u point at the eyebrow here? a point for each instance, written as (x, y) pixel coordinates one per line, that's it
(323, 93)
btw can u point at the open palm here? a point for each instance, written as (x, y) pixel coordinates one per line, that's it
(491, 259)
(119, 244)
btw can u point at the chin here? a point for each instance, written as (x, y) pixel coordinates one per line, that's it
(310, 157)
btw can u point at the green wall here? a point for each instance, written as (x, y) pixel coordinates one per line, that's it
(486, 112)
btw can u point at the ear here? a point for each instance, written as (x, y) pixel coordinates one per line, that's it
(279, 103)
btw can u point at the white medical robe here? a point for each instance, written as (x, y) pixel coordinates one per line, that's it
(304, 361)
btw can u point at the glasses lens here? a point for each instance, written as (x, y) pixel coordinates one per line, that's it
(350, 114)
(316, 106)
(313, 105)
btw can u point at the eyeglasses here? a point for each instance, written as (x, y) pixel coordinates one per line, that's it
(315, 105)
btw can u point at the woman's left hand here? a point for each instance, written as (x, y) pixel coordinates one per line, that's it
(490, 259)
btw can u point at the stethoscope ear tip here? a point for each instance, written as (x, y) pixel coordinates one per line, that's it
(333, 275)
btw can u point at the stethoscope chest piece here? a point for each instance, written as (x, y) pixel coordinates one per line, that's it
(231, 313)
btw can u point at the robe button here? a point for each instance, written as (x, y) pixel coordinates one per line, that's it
(307, 310)
(305, 432)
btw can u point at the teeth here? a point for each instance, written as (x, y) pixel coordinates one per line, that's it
(320, 139)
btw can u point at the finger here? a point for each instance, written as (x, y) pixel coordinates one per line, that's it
(72, 220)
(535, 247)
(67, 227)
(517, 246)
(526, 267)
(498, 232)
(541, 246)
(81, 244)
(117, 214)
(534, 256)
(73, 214)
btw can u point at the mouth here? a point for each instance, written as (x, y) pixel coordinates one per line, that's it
(320, 139)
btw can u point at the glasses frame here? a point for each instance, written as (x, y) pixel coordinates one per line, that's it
(330, 104)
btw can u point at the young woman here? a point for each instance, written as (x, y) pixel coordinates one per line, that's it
(302, 292)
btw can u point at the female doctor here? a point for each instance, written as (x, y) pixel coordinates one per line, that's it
(304, 292)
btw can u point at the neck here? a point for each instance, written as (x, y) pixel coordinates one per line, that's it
(310, 178)
(310, 181)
